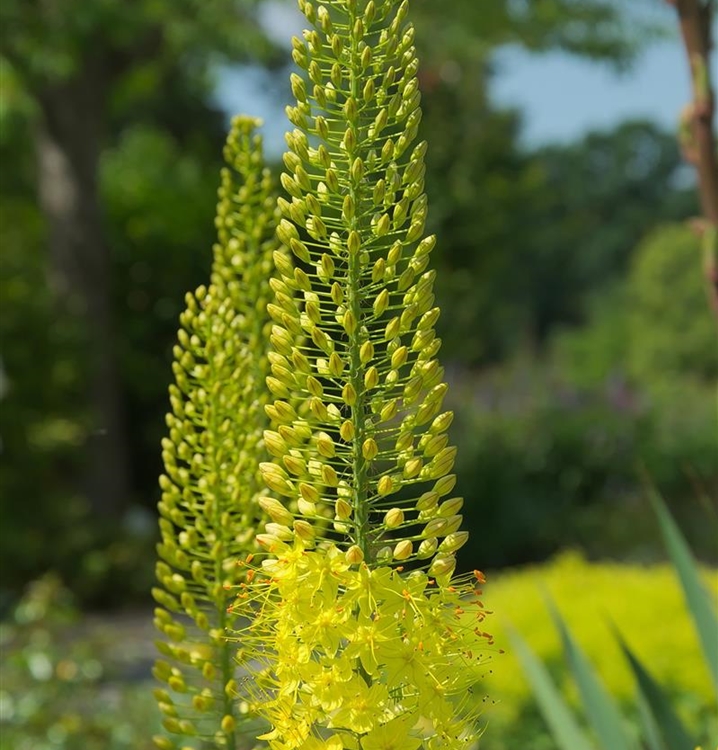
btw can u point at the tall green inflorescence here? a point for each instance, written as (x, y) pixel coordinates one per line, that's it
(359, 634)
(211, 488)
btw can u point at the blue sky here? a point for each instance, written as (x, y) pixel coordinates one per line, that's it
(560, 96)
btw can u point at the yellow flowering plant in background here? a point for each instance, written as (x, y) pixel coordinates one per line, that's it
(637, 598)
(357, 634)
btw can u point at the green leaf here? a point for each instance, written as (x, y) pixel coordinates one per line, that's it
(564, 728)
(651, 732)
(672, 731)
(697, 598)
(601, 710)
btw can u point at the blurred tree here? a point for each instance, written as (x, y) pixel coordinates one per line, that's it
(515, 238)
(597, 29)
(599, 198)
(653, 328)
(697, 135)
(81, 63)
(671, 331)
(156, 256)
(527, 238)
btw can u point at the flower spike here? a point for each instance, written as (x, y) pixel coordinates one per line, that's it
(211, 487)
(372, 447)
(358, 635)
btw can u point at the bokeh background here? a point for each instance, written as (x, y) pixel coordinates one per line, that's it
(578, 340)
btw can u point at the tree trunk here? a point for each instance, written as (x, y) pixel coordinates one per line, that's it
(698, 141)
(68, 144)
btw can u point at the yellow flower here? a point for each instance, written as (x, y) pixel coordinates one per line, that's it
(333, 743)
(370, 653)
(403, 663)
(394, 735)
(363, 709)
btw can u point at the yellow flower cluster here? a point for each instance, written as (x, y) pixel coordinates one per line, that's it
(348, 657)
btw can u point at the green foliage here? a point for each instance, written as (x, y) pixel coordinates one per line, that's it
(600, 707)
(564, 462)
(144, 178)
(656, 328)
(67, 684)
(41, 421)
(209, 507)
(635, 598)
(665, 728)
(672, 332)
(47, 44)
(595, 29)
(564, 728)
(44, 419)
(585, 207)
(697, 598)
(502, 283)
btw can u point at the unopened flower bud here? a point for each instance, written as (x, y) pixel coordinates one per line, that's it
(354, 555)
(393, 518)
(403, 549)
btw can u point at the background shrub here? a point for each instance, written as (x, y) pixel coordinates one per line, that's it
(647, 606)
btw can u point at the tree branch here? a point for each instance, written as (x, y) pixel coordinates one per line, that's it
(697, 135)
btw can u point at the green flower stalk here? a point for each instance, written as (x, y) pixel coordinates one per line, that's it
(211, 488)
(359, 637)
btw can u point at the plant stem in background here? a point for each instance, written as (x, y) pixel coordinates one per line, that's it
(697, 134)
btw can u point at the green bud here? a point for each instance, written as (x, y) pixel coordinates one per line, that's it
(369, 91)
(336, 75)
(371, 378)
(315, 72)
(350, 109)
(350, 141)
(332, 180)
(324, 20)
(358, 30)
(380, 121)
(298, 89)
(379, 270)
(382, 225)
(346, 431)
(321, 128)
(348, 208)
(349, 394)
(336, 365)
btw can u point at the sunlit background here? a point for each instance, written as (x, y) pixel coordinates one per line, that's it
(578, 341)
